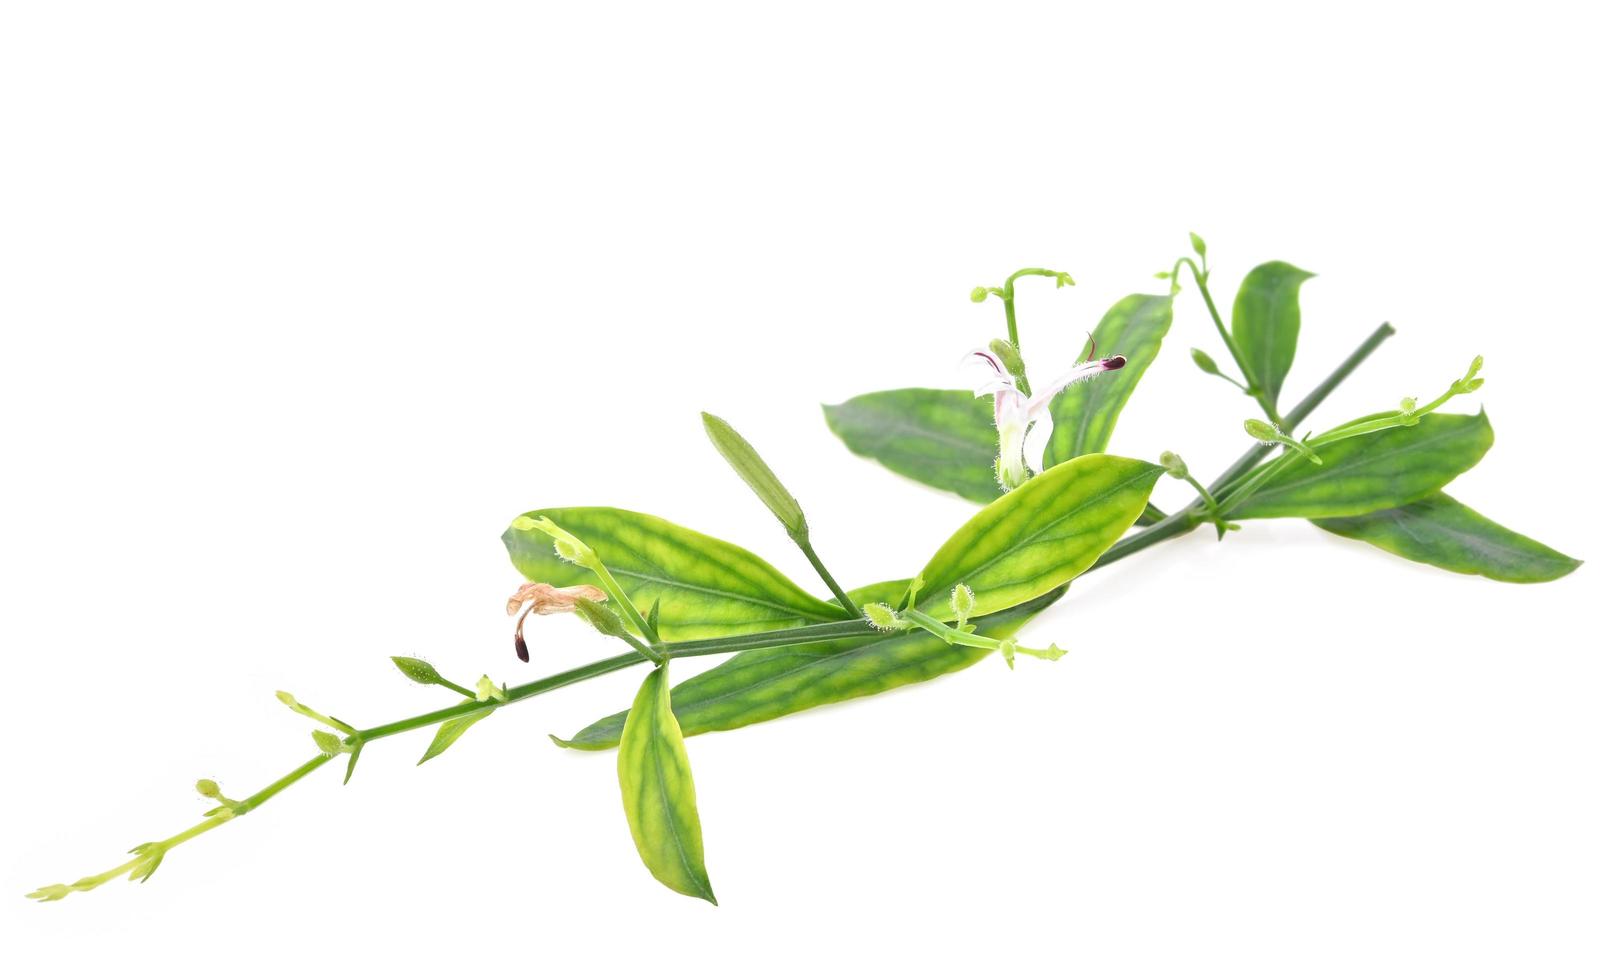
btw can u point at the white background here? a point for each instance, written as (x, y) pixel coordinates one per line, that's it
(302, 302)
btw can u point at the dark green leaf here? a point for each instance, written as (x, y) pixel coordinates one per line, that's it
(1439, 530)
(658, 792)
(1266, 323)
(1086, 413)
(1041, 535)
(759, 685)
(945, 439)
(756, 474)
(706, 587)
(1367, 473)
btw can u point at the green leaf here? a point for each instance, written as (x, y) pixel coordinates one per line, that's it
(755, 472)
(760, 685)
(1441, 531)
(1041, 535)
(658, 792)
(447, 733)
(1266, 323)
(1367, 473)
(1085, 414)
(706, 587)
(945, 439)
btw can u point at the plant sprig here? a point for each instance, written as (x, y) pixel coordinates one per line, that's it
(669, 592)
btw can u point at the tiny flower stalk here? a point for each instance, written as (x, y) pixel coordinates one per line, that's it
(1023, 422)
(1178, 469)
(1008, 296)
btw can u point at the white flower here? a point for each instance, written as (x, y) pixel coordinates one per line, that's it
(1023, 423)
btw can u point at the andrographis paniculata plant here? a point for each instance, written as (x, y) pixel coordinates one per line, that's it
(1054, 506)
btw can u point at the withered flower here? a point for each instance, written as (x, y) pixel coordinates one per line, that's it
(542, 599)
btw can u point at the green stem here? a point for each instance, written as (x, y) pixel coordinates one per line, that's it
(948, 633)
(1186, 520)
(629, 611)
(1008, 297)
(845, 602)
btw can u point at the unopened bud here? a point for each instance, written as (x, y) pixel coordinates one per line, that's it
(979, 294)
(1009, 357)
(1408, 405)
(881, 616)
(209, 789)
(417, 670)
(602, 617)
(1198, 243)
(1008, 650)
(1203, 361)
(1174, 465)
(962, 601)
(1262, 431)
(328, 742)
(1062, 279)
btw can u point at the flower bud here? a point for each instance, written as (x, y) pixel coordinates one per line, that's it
(1203, 361)
(962, 601)
(418, 670)
(882, 617)
(1262, 431)
(1174, 465)
(978, 294)
(1408, 405)
(1008, 650)
(1009, 357)
(1198, 243)
(328, 742)
(602, 617)
(209, 789)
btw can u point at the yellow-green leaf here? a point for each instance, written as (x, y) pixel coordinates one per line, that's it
(1039, 536)
(760, 685)
(706, 587)
(658, 792)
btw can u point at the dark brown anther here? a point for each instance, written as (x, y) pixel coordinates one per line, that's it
(1114, 363)
(522, 648)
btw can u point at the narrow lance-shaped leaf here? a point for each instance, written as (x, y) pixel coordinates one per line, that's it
(760, 685)
(447, 732)
(706, 587)
(1441, 531)
(1041, 535)
(1266, 323)
(755, 472)
(1085, 414)
(945, 439)
(1367, 473)
(658, 792)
